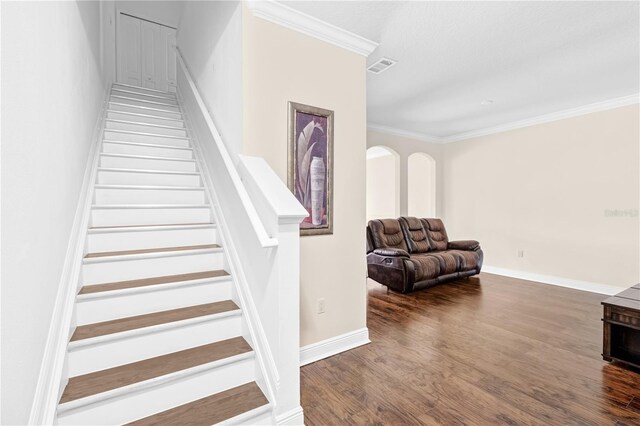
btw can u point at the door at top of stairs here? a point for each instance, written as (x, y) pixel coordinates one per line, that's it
(146, 54)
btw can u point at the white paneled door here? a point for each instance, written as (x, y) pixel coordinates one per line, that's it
(128, 45)
(146, 54)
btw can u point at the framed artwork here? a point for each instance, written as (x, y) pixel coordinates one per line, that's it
(310, 165)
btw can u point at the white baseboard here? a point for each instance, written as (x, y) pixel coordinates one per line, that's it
(291, 417)
(559, 281)
(326, 348)
(52, 369)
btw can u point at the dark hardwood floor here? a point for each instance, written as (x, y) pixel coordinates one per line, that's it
(482, 351)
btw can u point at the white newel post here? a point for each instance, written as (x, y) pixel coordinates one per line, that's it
(281, 215)
(288, 409)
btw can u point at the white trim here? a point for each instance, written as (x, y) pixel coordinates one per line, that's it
(148, 228)
(403, 133)
(334, 345)
(249, 417)
(256, 172)
(558, 281)
(261, 233)
(51, 377)
(546, 118)
(293, 19)
(291, 417)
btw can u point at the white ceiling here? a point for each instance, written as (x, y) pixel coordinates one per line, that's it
(529, 58)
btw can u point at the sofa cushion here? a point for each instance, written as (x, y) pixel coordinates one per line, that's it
(415, 234)
(437, 234)
(468, 260)
(449, 263)
(386, 233)
(426, 267)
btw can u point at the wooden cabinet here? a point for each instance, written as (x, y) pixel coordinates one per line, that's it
(621, 327)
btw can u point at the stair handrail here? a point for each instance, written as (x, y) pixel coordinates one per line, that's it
(263, 236)
(262, 251)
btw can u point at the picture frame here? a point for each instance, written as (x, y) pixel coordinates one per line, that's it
(310, 165)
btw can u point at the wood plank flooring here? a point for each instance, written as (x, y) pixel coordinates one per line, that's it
(487, 350)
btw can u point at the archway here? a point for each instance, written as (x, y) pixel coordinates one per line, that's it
(383, 183)
(421, 185)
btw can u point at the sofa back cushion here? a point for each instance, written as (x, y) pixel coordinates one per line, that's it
(415, 232)
(437, 234)
(386, 233)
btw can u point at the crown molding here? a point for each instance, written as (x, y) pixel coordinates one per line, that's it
(546, 118)
(541, 119)
(288, 17)
(403, 133)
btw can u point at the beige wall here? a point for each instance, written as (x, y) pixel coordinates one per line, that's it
(421, 185)
(383, 192)
(282, 65)
(549, 190)
(405, 146)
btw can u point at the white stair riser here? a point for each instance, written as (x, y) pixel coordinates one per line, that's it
(145, 118)
(260, 420)
(147, 164)
(150, 104)
(124, 270)
(133, 178)
(144, 239)
(154, 151)
(145, 97)
(135, 127)
(141, 138)
(100, 356)
(118, 106)
(144, 91)
(149, 196)
(155, 216)
(89, 311)
(137, 405)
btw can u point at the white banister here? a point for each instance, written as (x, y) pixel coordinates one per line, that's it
(258, 222)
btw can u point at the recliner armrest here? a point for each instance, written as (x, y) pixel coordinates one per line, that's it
(391, 252)
(464, 245)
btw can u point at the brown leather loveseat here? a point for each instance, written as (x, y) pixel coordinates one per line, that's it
(409, 254)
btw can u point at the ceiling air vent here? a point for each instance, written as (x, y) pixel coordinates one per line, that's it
(381, 65)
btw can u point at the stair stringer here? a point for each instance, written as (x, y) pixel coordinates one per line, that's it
(267, 376)
(53, 376)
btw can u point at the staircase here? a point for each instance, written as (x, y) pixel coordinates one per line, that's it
(159, 337)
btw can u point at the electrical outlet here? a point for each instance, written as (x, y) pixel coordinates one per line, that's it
(321, 306)
(520, 253)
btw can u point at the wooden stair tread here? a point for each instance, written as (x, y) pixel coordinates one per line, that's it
(124, 375)
(211, 409)
(151, 226)
(151, 250)
(119, 285)
(147, 320)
